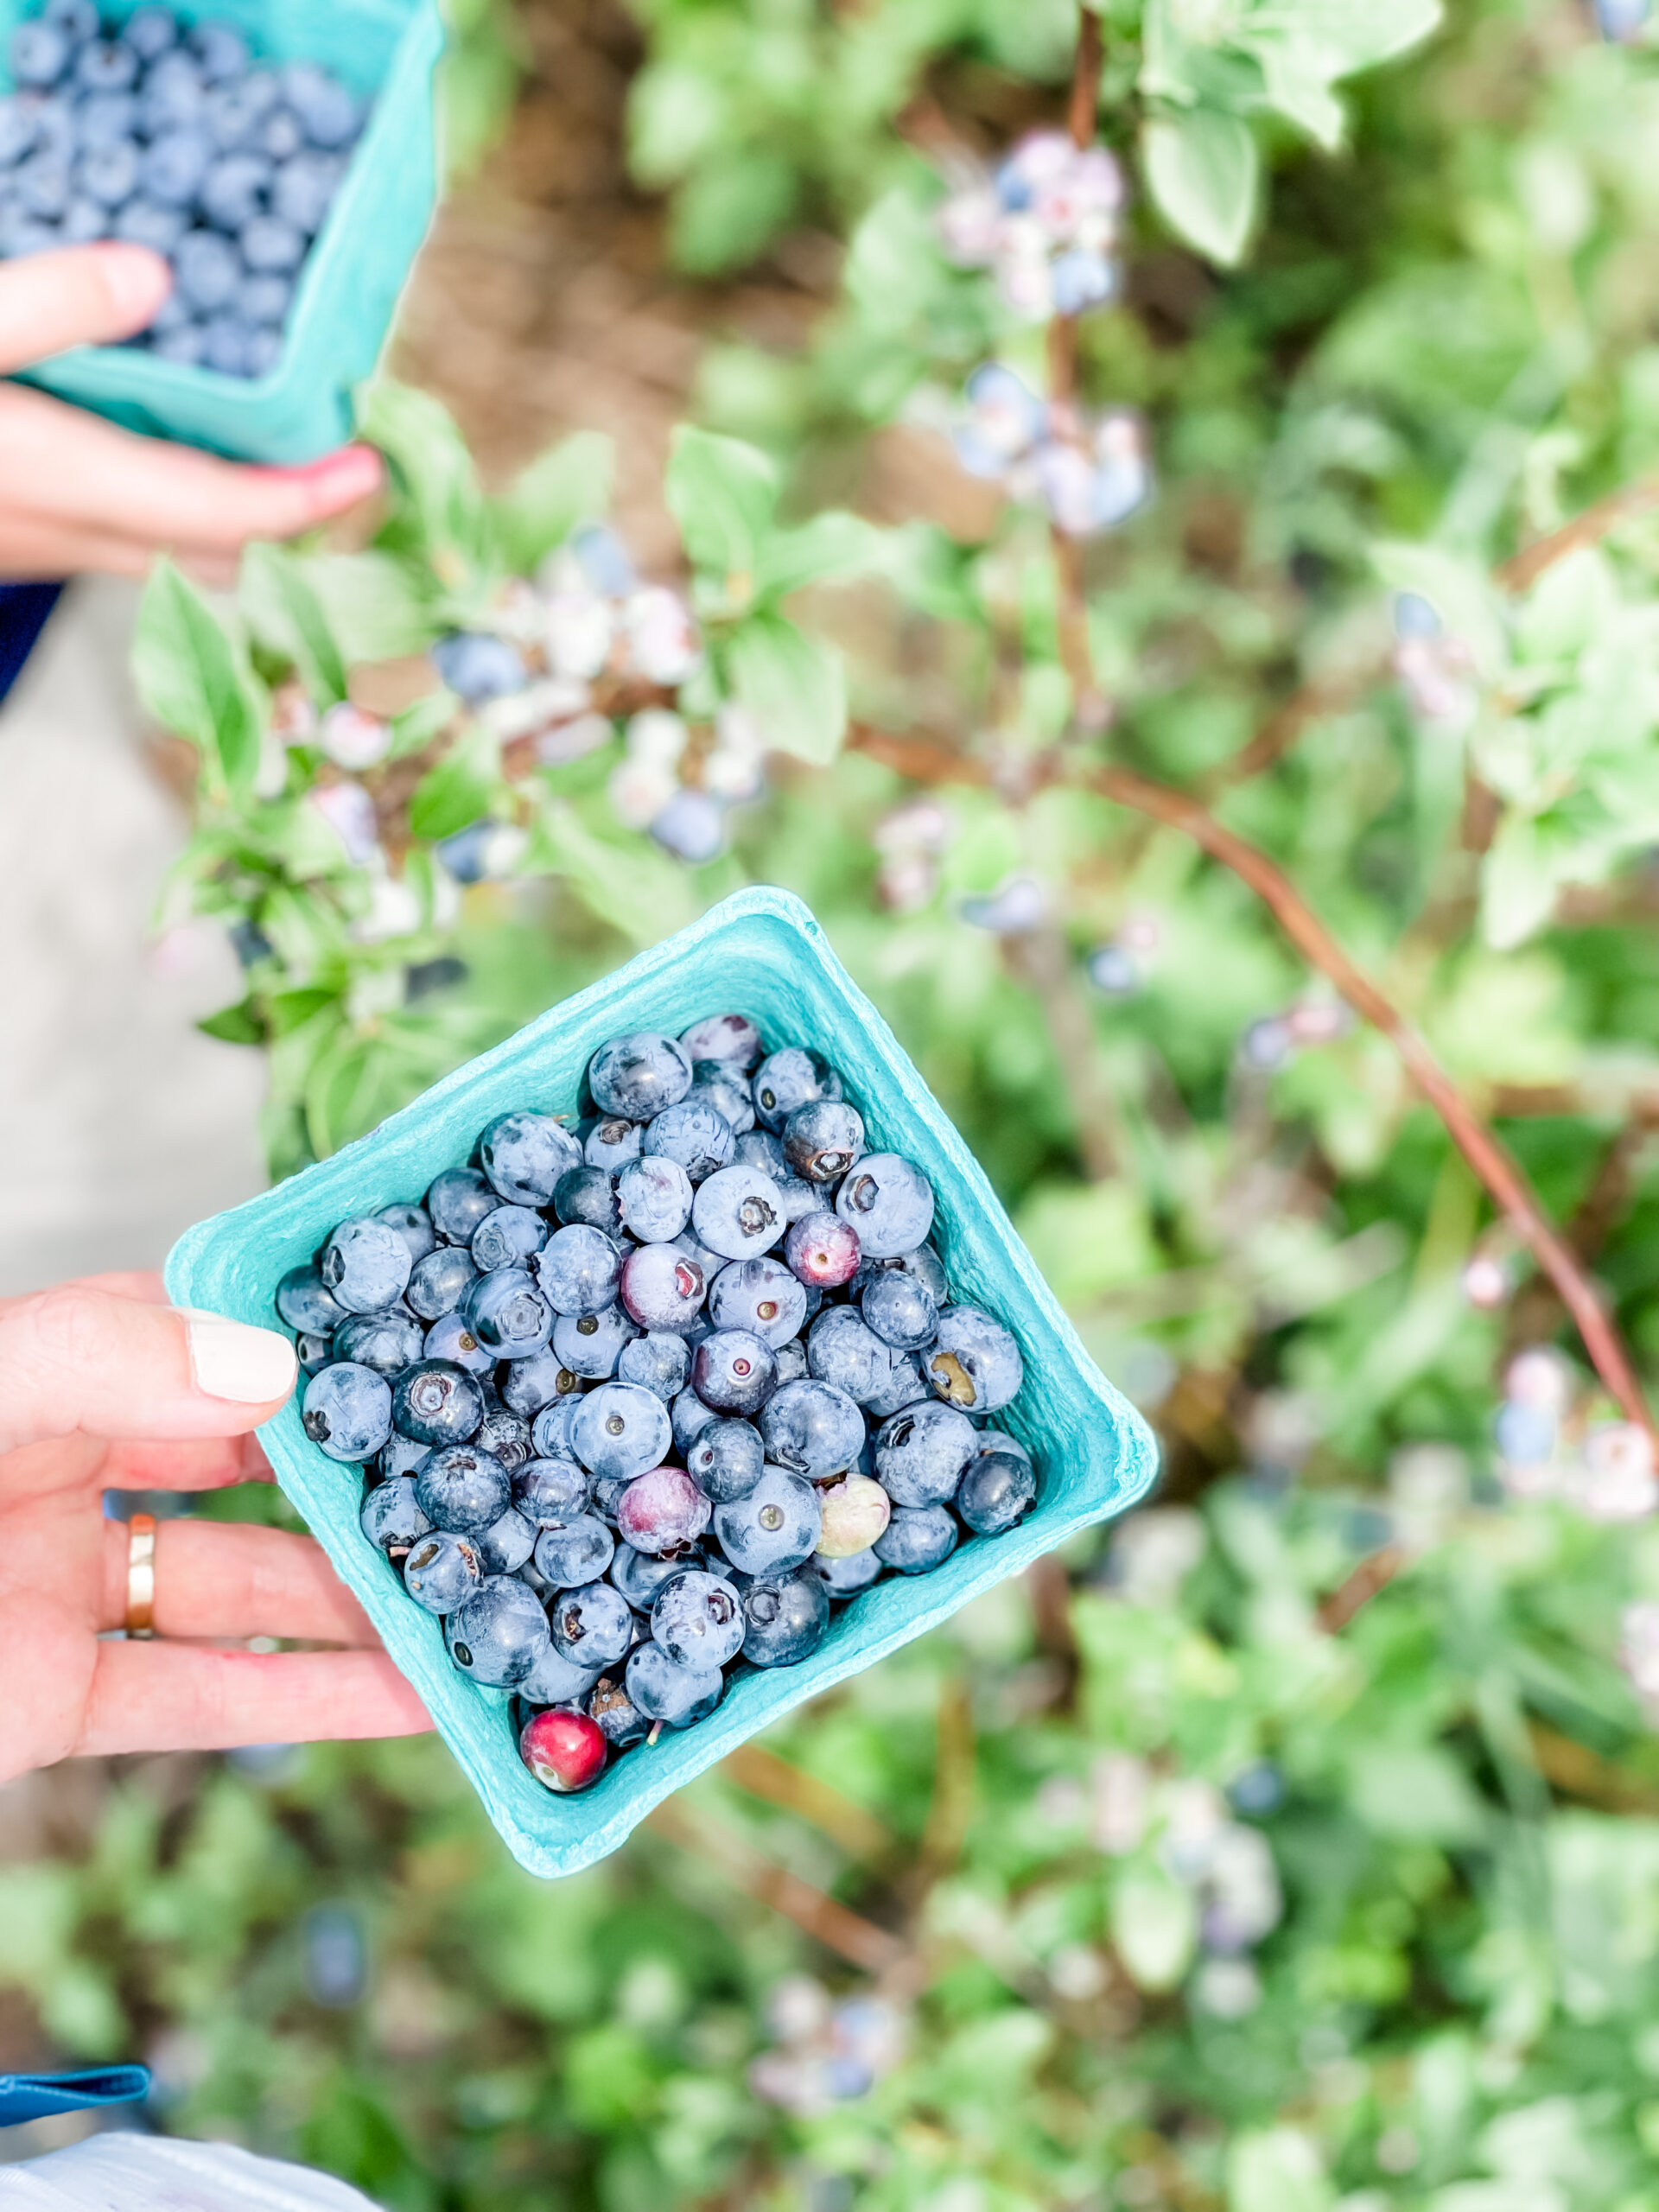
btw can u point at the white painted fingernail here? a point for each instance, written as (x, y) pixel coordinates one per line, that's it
(228, 1359)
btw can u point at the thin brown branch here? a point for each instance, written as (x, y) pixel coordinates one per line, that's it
(1597, 522)
(762, 1774)
(1041, 960)
(1313, 703)
(1371, 1575)
(951, 1805)
(1579, 1772)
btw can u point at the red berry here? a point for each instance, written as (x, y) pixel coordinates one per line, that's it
(662, 1510)
(823, 1251)
(563, 1751)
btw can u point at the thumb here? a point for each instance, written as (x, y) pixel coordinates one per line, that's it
(83, 295)
(79, 1359)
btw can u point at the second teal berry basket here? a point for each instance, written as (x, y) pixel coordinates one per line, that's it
(386, 51)
(761, 953)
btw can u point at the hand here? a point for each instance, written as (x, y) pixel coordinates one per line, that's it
(104, 1386)
(76, 494)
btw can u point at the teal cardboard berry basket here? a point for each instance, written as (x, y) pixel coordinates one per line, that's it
(386, 51)
(760, 952)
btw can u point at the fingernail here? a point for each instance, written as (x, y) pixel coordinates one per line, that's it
(228, 1359)
(135, 279)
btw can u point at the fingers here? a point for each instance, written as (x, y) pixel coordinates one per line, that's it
(176, 1697)
(87, 296)
(221, 1579)
(198, 1463)
(77, 1360)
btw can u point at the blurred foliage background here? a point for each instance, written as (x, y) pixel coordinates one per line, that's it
(1295, 1844)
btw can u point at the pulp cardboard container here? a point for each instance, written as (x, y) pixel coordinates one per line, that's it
(760, 953)
(386, 51)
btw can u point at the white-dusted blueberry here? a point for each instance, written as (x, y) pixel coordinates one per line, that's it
(550, 1432)
(696, 1620)
(924, 1264)
(675, 1695)
(638, 1075)
(458, 1200)
(617, 1719)
(812, 1428)
(586, 1198)
(499, 1635)
(919, 1538)
(723, 1088)
(348, 1410)
(400, 1455)
(998, 1439)
(693, 1133)
(975, 1363)
(385, 1341)
(738, 1213)
(579, 1269)
(220, 50)
(725, 1461)
(787, 1079)
(391, 1517)
(901, 1309)
(733, 1371)
(731, 1037)
(619, 1431)
(365, 1265)
(506, 1544)
(760, 1149)
(441, 1571)
(414, 1225)
(506, 1312)
(524, 1154)
(785, 1617)
(571, 1553)
(997, 1489)
(856, 1512)
(611, 1142)
(842, 1351)
(609, 1490)
(905, 1385)
(550, 1492)
(791, 1363)
(313, 1350)
(590, 1344)
(654, 1196)
(889, 1202)
(451, 1338)
(822, 1250)
(326, 107)
(437, 1283)
(661, 1511)
(921, 1454)
(150, 31)
(639, 1575)
(462, 1490)
(844, 1578)
(662, 1287)
(436, 1402)
(689, 1417)
(554, 1679)
(774, 1528)
(505, 1435)
(822, 1139)
(657, 1360)
(592, 1624)
(305, 1301)
(759, 1295)
(507, 1238)
(531, 1383)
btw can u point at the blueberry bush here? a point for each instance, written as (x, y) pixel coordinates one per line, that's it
(1186, 619)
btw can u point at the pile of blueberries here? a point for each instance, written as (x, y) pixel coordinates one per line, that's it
(166, 134)
(641, 1393)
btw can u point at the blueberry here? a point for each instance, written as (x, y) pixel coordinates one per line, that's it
(304, 188)
(693, 1133)
(997, 1440)
(414, 1225)
(592, 1624)
(731, 1037)
(436, 1402)
(108, 175)
(549, 1432)
(19, 127)
(579, 1270)
(844, 1578)
(174, 164)
(220, 49)
(554, 1679)
(759, 1148)
(400, 1455)
(42, 185)
(173, 95)
(921, 1454)
(995, 1492)
(506, 1544)
(917, 1539)
(691, 825)
(661, 1288)
(905, 1386)
(812, 1428)
(185, 345)
(236, 189)
(639, 1575)
(822, 1139)
(324, 105)
(391, 1517)
(458, 1200)
(570, 1552)
(463, 1489)
(822, 1250)
(348, 1410)
(479, 666)
(305, 1301)
(40, 53)
(609, 1490)
(76, 19)
(107, 64)
(689, 1417)
(611, 1142)
(789, 1079)
(791, 1363)
(590, 1344)
(619, 1431)
(654, 1196)
(314, 1348)
(774, 1528)
(506, 1312)
(675, 1695)
(265, 301)
(733, 1371)
(149, 32)
(784, 1619)
(22, 235)
(738, 1213)
(638, 1076)
(725, 1461)
(841, 1350)
(504, 1435)
(661, 1511)
(440, 1571)
(551, 1491)
(235, 111)
(531, 1383)
(281, 136)
(437, 1283)
(524, 1154)
(224, 340)
(923, 1266)
(585, 1197)
(499, 1635)
(889, 1202)
(696, 1620)
(856, 1512)
(365, 1265)
(975, 1362)
(386, 1342)
(900, 1310)
(507, 1238)
(451, 1338)
(207, 271)
(759, 1295)
(615, 1714)
(271, 246)
(658, 1362)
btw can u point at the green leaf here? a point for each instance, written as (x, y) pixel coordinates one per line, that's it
(631, 884)
(833, 545)
(1202, 170)
(284, 611)
(569, 484)
(193, 677)
(235, 1025)
(722, 492)
(442, 505)
(291, 1010)
(380, 607)
(1155, 1927)
(419, 724)
(1276, 2170)
(795, 687)
(458, 790)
